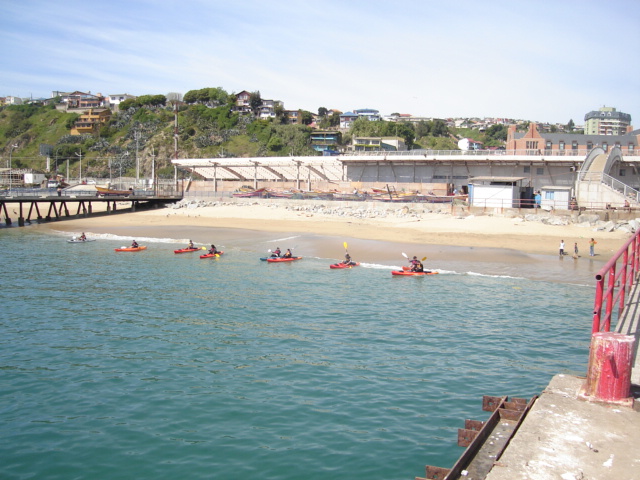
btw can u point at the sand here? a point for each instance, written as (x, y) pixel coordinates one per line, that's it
(426, 228)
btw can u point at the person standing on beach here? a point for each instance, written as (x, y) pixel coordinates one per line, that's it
(561, 247)
(592, 247)
(575, 250)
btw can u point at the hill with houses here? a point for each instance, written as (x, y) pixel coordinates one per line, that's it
(106, 132)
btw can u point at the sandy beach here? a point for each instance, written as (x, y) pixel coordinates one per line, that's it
(408, 225)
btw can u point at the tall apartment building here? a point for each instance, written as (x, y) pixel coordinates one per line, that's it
(607, 121)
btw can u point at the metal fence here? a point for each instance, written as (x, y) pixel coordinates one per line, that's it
(613, 284)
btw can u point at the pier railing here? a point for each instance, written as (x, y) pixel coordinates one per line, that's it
(613, 284)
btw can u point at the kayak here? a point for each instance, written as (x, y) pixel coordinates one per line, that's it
(211, 255)
(185, 250)
(81, 241)
(344, 265)
(282, 259)
(264, 259)
(408, 273)
(130, 249)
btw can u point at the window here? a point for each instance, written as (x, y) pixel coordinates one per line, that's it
(605, 146)
(589, 145)
(540, 171)
(623, 172)
(527, 169)
(631, 147)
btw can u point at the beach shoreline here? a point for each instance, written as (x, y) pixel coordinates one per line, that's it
(416, 226)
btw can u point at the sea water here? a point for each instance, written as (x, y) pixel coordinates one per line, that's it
(152, 365)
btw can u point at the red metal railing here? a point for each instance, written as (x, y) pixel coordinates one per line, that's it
(614, 282)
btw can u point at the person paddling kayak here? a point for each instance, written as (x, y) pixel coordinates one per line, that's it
(213, 250)
(288, 254)
(276, 252)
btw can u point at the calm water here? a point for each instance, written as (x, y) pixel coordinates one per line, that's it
(160, 366)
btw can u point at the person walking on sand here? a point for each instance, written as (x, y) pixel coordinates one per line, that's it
(575, 250)
(561, 247)
(592, 247)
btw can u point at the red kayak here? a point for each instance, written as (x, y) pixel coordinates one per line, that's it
(282, 259)
(344, 265)
(409, 273)
(185, 250)
(130, 249)
(211, 255)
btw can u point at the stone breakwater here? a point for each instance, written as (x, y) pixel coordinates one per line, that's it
(381, 210)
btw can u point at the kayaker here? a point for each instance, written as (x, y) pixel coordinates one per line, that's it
(288, 254)
(347, 260)
(134, 244)
(413, 262)
(190, 244)
(417, 267)
(83, 237)
(276, 252)
(213, 250)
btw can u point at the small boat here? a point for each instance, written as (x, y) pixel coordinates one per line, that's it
(105, 192)
(186, 250)
(409, 273)
(282, 259)
(431, 198)
(344, 265)
(211, 255)
(130, 249)
(244, 192)
(77, 240)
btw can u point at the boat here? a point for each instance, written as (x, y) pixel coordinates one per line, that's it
(431, 198)
(76, 240)
(409, 273)
(211, 255)
(106, 191)
(247, 192)
(130, 249)
(186, 250)
(282, 259)
(344, 265)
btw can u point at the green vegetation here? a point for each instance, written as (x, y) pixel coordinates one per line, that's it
(208, 126)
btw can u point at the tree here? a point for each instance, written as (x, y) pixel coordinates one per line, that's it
(322, 112)
(306, 117)
(570, 125)
(255, 102)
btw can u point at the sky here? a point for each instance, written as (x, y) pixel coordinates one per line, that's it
(545, 61)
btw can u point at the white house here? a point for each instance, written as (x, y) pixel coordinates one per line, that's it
(555, 197)
(114, 100)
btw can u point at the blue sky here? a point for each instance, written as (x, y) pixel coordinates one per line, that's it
(548, 61)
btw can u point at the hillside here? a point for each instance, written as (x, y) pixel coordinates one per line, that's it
(146, 132)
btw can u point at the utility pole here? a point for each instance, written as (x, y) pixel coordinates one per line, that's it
(11, 167)
(137, 137)
(79, 154)
(153, 170)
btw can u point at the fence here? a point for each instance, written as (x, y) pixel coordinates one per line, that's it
(613, 284)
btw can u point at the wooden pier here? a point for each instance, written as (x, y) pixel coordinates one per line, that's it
(55, 208)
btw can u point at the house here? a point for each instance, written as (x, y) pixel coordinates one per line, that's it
(347, 119)
(570, 144)
(555, 197)
(91, 121)
(268, 108)
(378, 144)
(113, 101)
(368, 113)
(470, 144)
(326, 141)
(243, 102)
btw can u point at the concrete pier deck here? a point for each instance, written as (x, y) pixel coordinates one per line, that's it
(564, 437)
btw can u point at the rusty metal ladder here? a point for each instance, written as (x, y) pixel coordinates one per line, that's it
(484, 441)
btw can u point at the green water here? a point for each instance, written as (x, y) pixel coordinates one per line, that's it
(162, 366)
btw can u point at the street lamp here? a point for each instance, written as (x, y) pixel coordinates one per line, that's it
(10, 166)
(125, 154)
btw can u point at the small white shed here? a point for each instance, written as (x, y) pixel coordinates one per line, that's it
(558, 198)
(496, 192)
